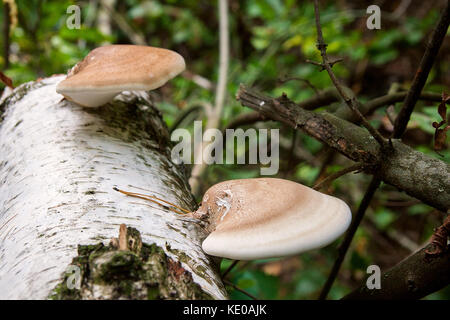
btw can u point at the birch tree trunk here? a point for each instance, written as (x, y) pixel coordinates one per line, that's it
(59, 164)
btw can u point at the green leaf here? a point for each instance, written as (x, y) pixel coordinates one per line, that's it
(383, 218)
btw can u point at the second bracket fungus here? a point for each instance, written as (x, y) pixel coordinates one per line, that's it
(109, 70)
(267, 218)
(249, 219)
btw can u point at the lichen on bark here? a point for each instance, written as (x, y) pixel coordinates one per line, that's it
(143, 272)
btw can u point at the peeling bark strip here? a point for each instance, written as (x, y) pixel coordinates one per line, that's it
(58, 167)
(423, 177)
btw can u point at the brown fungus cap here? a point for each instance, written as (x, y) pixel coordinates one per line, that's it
(109, 70)
(266, 217)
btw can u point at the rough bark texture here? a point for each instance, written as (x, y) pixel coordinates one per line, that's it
(419, 175)
(59, 163)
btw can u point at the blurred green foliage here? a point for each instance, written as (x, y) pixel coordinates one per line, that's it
(270, 39)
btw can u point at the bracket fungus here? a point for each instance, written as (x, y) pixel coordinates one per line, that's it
(106, 71)
(260, 218)
(267, 218)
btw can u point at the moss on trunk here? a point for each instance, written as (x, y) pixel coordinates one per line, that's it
(142, 272)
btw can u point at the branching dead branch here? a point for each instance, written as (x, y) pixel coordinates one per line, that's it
(422, 72)
(417, 174)
(347, 95)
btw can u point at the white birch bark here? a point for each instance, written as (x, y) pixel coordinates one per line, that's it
(58, 165)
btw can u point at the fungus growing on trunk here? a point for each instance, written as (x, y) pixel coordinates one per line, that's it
(107, 71)
(250, 219)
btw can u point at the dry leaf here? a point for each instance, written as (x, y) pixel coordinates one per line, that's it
(440, 135)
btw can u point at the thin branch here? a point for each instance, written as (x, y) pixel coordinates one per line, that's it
(403, 168)
(224, 56)
(328, 158)
(239, 289)
(135, 36)
(331, 63)
(226, 272)
(306, 81)
(300, 154)
(401, 9)
(374, 104)
(340, 173)
(6, 34)
(184, 115)
(291, 157)
(198, 80)
(422, 72)
(390, 113)
(214, 117)
(323, 98)
(413, 278)
(330, 95)
(391, 235)
(351, 101)
(343, 248)
(245, 119)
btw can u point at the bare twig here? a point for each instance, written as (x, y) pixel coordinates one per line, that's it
(402, 168)
(6, 29)
(328, 158)
(226, 272)
(199, 80)
(135, 36)
(369, 107)
(401, 9)
(343, 248)
(299, 154)
(331, 95)
(239, 289)
(193, 109)
(390, 113)
(306, 81)
(422, 72)
(349, 97)
(413, 278)
(214, 117)
(291, 158)
(328, 96)
(334, 176)
(331, 63)
(224, 56)
(245, 119)
(323, 98)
